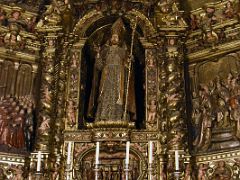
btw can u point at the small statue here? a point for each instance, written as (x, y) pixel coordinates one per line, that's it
(222, 172)
(3, 19)
(17, 131)
(47, 94)
(44, 127)
(229, 11)
(211, 38)
(177, 138)
(74, 60)
(235, 115)
(150, 60)
(152, 111)
(55, 173)
(2, 174)
(18, 172)
(71, 114)
(163, 175)
(110, 100)
(58, 12)
(188, 175)
(194, 22)
(203, 140)
(202, 175)
(28, 128)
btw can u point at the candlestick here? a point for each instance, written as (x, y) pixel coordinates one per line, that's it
(96, 171)
(97, 153)
(176, 161)
(126, 171)
(69, 153)
(39, 161)
(150, 171)
(150, 153)
(127, 153)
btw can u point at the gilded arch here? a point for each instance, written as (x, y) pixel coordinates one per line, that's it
(91, 17)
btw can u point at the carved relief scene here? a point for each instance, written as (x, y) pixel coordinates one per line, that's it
(17, 82)
(17, 105)
(215, 105)
(112, 164)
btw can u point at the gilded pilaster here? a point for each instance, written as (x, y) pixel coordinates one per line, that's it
(171, 24)
(74, 88)
(50, 119)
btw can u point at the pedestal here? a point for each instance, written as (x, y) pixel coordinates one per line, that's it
(177, 175)
(150, 171)
(126, 170)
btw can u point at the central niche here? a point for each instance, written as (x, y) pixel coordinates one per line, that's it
(109, 90)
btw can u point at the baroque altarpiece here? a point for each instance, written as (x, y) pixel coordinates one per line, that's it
(82, 76)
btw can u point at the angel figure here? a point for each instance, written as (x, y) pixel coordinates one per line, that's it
(152, 108)
(44, 125)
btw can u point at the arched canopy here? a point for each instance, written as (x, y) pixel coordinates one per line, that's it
(94, 16)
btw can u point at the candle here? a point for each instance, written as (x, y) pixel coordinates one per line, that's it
(97, 153)
(39, 161)
(127, 152)
(69, 153)
(150, 154)
(176, 160)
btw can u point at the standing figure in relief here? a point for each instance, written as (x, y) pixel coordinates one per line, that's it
(202, 175)
(222, 171)
(203, 140)
(235, 115)
(109, 85)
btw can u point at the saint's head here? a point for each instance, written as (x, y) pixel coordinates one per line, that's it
(117, 32)
(115, 39)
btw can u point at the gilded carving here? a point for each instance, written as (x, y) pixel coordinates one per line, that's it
(152, 86)
(17, 124)
(216, 108)
(62, 89)
(116, 94)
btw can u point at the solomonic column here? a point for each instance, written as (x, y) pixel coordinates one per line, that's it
(173, 28)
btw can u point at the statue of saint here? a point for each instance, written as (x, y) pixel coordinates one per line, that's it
(111, 86)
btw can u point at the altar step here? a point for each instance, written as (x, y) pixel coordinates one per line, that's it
(224, 138)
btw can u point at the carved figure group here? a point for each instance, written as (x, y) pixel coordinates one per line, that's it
(206, 20)
(15, 21)
(216, 106)
(16, 123)
(222, 171)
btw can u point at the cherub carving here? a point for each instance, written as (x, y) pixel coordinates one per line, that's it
(44, 125)
(152, 111)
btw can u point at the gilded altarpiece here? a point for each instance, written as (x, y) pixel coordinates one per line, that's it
(77, 73)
